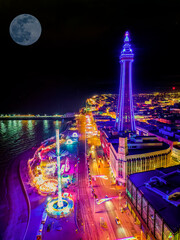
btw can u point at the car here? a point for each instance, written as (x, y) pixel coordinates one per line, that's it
(58, 228)
(117, 221)
(44, 217)
(41, 228)
(39, 236)
(48, 227)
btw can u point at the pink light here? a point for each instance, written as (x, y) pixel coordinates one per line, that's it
(127, 238)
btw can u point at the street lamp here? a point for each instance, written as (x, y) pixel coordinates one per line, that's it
(94, 204)
(95, 198)
(120, 200)
(85, 153)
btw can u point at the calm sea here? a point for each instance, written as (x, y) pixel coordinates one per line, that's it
(17, 136)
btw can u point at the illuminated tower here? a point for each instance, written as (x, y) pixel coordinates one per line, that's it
(60, 202)
(125, 121)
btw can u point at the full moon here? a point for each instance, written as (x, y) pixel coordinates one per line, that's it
(25, 29)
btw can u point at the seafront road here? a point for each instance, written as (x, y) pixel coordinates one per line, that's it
(18, 205)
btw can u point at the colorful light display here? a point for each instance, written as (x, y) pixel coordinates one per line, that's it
(60, 203)
(60, 206)
(47, 187)
(53, 209)
(100, 176)
(75, 135)
(103, 200)
(125, 121)
(127, 238)
(69, 141)
(67, 166)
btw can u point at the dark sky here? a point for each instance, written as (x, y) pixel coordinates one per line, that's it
(77, 54)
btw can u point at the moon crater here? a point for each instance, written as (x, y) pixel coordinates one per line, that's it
(25, 29)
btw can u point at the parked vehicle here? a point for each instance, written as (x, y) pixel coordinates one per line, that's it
(39, 236)
(44, 217)
(117, 221)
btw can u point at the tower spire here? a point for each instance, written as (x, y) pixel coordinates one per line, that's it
(125, 121)
(126, 39)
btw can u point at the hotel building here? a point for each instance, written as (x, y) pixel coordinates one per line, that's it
(153, 198)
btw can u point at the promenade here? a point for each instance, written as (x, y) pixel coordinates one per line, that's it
(18, 202)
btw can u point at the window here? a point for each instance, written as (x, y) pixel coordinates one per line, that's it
(144, 209)
(139, 199)
(133, 162)
(158, 227)
(138, 165)
(128, 167)
(134, 195)
(167, 233)
(151, 219)
(129, 184)
(143, 164)
(120, 169)
(147, 164)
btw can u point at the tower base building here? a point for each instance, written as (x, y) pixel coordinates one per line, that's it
(127, 152)
(134, 154)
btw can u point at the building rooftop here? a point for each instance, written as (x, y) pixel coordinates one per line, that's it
(177, 146)
(161, 188)
(137, 144)
(143, 150)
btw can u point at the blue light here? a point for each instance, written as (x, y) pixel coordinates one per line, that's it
(69, 141)
(126, 37)
(75, 135)
(125, 113)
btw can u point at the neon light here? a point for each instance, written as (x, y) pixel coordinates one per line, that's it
(75, 134)
(103, 200)
(122, 116)
(126, 37)
(67, 166)
(131, 101)
(69, 141)
(127, 238)
(60, 202)
(101, 176)
(66, 209)
(125, 113)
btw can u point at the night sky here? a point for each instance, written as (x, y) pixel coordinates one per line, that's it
(77, 54)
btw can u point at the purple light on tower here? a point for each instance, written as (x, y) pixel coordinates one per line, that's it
(125, 121)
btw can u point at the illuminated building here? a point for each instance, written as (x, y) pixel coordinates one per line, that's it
(153, 199)
(136, 154)
(127, 152)
(125, 121)
(176, 153)
(169, 137)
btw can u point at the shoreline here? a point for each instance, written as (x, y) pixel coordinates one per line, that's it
(17, 215)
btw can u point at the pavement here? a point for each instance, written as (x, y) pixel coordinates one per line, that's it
(18, 202)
